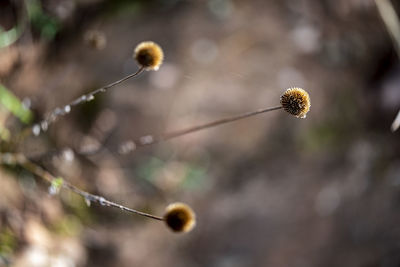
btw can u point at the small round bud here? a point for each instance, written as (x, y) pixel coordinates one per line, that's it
(296, 101)
(179, 217)
(149, 55)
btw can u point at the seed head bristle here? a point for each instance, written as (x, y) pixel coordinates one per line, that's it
(296, 101)
(149, 55)
(179, 217)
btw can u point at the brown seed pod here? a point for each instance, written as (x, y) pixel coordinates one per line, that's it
(179, 217)
(149, 55)
(296, 101)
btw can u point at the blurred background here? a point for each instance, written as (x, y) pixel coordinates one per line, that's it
(271, 190)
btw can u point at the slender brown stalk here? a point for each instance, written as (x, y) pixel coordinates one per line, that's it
(149, 140)
(192, 129)
(20, 159)
(146, 140)
(61, 111)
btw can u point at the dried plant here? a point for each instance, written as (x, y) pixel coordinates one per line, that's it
(149, 55)
(296, 101)
(178, 217)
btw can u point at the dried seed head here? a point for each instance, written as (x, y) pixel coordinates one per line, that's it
(179, 217)
(149, 55)
(296, 101)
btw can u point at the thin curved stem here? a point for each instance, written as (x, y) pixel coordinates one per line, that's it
(146, 140)
(61, 111)
(20, 159)
(192, 129)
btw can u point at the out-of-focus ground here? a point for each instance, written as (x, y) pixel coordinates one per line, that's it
(271, 190)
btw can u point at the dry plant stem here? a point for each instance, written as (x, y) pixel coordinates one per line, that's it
(396, 123)
(149, 139)
(52, 117)
(11, 159)
(391, 20)
(392, 23)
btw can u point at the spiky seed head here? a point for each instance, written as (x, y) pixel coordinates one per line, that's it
(179, 217)
(296, 101)
(149, 55)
